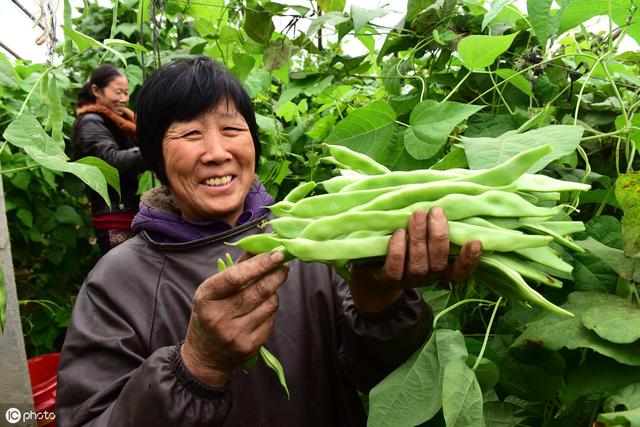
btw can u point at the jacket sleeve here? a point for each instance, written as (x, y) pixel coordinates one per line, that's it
(108, 377)
(95, 139)
(373, 345)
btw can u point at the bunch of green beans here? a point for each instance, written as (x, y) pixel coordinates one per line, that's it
(512, 212)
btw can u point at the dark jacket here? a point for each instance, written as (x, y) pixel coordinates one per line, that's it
(96, 135)
(121, 363)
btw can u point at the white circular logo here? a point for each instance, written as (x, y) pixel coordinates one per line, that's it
(13, 415)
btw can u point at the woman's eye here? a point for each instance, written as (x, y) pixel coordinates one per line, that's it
(191, 134)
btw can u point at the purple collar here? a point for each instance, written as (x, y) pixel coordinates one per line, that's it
(164, 226)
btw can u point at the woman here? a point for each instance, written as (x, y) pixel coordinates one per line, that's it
(106, 129)
(158, 337)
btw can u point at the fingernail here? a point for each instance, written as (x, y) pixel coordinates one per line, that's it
(276, 256)
(476, 249)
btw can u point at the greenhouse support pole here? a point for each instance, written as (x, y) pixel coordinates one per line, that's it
(15, 387)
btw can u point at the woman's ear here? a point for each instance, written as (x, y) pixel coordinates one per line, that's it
(94, 90)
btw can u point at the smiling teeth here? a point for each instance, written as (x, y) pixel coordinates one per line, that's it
(216, 182)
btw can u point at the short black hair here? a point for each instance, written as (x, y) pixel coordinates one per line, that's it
(181, 91)
(101, 77)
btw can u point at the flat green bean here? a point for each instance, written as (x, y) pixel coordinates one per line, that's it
(409, 194)
(525, 291)
(456, 206)
(547, 257)
(356, 161)
(512, 169)
(400, 178)
(563, 227)
(524, 269)
(539, 228)
(536, 182)
(300, 191)
(289, 226)
(337, 183)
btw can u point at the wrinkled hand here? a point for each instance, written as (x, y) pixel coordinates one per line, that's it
(420, 260)
(233, 314)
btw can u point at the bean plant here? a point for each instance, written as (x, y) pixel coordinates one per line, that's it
(454, 85)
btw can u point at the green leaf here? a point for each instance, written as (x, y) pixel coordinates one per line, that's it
(516, 80)
(331, 5)
(478, 52)
(412, 394)
(333, 18)
(25, 132)
(431, 123)
(110, 173)
(544, 23)
(597, 375)
(258, 25)
(8, 76)
(274, 364)
(25, 216)
(496, 8)
(461, 396)
(625, 418)
(483, 153)
(277, 54)
(627, 194)
(502, 414)
(554, 332)
(362, 17)
(626, 267)
(82, 41)
(3, 301)
(627, 397)
(613, 318)
(66, 214)
(124, 43)
(56, 113)
(126, 28)
(579, 11)
(367, 129)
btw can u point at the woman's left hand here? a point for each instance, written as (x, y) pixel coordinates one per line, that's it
(420, 260)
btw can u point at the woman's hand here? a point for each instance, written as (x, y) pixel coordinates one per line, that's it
(233, 314)
(420, 260)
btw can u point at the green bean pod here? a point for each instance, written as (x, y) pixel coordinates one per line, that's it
(547, 257)
(409, 194)
(356, 161)
(521, 287)
(290, 227)
(542, 183)
(334, 203)
(300, 191)
(563, 228)
(421, 176)
(560, 239)
(494, 239)
(456, 206)
(340, 249)
(524, 269)
(509, 171)
(258, 243)
(337, 183)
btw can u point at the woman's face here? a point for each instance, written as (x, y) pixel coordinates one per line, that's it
(114, 96)
(210, 162)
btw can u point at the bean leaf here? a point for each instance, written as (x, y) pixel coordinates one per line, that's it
(478, 52)
(431, 123)
(461, 396)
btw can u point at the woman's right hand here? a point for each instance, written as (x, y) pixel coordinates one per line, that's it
(233, 314)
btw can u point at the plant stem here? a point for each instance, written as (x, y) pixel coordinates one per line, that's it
(486, 335)
(457, 86)
(22, 168)
(456, 305)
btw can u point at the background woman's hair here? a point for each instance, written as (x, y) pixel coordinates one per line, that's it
(182, 91)
(101, 77)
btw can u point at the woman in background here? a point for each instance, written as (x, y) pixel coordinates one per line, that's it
(106, 128)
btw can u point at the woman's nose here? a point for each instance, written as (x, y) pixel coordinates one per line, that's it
(214, 148)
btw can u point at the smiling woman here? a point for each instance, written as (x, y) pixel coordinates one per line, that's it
(158, 337)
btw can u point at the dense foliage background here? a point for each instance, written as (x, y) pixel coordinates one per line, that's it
(457, 83)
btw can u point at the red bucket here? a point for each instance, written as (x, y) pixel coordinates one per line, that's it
(43, 371)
